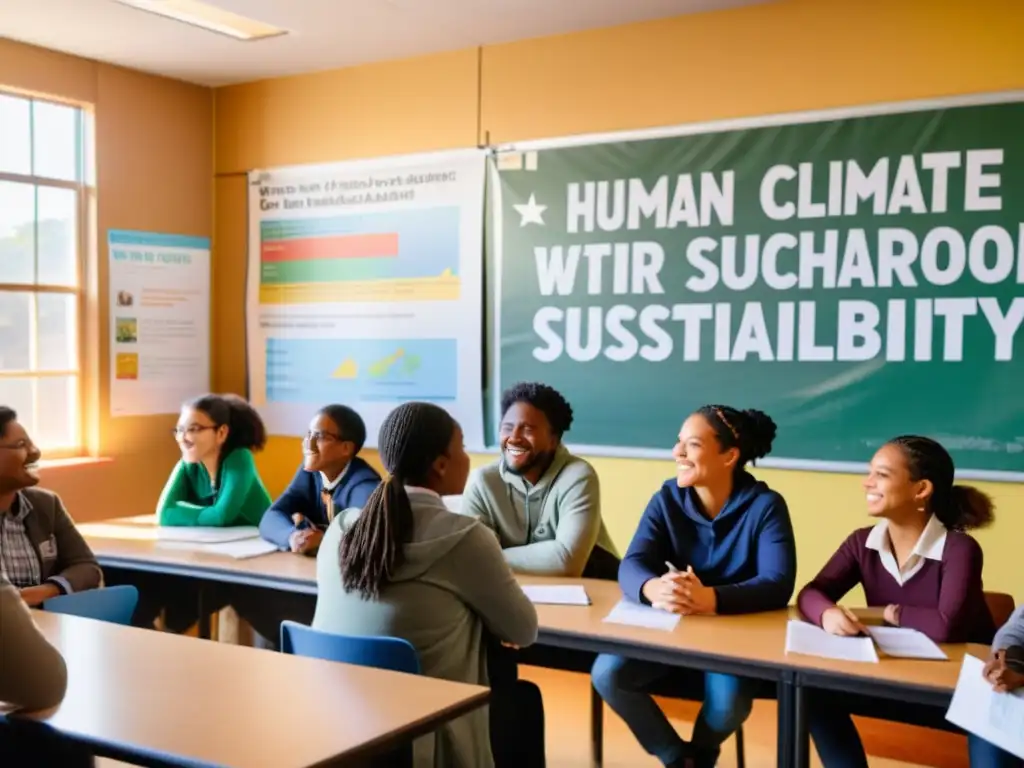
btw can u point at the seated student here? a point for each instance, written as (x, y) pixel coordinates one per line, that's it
(33, 677)
(404, 566)
(917, 563)
(1005, 671)
(332, 477)
(41, 552)
(216, 482)
(729, 540)
(543, 503)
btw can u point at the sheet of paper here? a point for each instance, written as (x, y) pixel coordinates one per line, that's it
(996, 717)
(902, 643)
(241, 550)
(115, 531)
(557, 594)
(810, 640)
(635, 615)
(201, 535)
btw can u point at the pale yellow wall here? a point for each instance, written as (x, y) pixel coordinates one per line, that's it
(771, 58)
(154, 155)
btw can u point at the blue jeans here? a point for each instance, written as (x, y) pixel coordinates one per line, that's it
(985, 754)
(626, 684)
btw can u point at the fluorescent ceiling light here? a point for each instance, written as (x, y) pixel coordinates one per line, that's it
(207, 16)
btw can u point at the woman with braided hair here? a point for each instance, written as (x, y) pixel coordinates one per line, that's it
(918, 563)
(404, 566)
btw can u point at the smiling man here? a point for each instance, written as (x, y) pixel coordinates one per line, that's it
(543, 503)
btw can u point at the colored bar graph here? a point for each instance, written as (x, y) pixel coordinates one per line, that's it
(331, 247)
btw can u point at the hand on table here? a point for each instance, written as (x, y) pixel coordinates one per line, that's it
(1000, 675)
(34, 596)
(892, 615)
(304, 541)
(842, 622)
(681, 592)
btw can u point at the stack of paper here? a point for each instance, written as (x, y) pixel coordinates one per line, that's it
(902, 643)
(635, 615)
(557, 594)
(240, 550)
(996, 717)
(810, 640)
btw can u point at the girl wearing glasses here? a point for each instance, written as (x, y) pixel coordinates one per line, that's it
(216, 482)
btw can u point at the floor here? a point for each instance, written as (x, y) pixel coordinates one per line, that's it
(566, 707)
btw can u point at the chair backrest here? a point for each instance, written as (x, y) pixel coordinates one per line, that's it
(382, 652)
(113, 604)
(1001, 606)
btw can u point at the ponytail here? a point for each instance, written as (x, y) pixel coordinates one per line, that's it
(372, 549)
(411, 438)
(966, 509)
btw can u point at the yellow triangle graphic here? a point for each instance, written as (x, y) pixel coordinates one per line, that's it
(347, 370)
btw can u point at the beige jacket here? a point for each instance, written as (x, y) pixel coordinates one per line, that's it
(32, 672)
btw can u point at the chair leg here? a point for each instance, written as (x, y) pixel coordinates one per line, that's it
(741, 756)
(596, 727)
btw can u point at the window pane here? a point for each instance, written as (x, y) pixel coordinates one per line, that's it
(17, 394)
(15, 331)
(58, 331)
(15, 135)
(57, 421)
(57, 236)
(55, 141)
(17, 232)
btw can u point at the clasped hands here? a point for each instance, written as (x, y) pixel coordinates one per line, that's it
(681, 592)
(304, 541)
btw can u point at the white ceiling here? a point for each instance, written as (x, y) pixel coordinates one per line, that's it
(324, 34)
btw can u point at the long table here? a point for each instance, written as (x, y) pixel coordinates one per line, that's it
(158, 699)
(750, 646)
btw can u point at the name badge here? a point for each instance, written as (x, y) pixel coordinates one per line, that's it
(48, 549)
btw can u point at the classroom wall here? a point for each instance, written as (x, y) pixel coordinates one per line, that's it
(784, 56)
(154, 154)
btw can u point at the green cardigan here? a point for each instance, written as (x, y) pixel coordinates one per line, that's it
(189, 497)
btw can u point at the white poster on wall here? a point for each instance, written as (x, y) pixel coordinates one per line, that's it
(366, 289)
(159, 321)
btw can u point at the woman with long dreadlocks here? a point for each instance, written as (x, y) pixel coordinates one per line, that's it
(404, 566)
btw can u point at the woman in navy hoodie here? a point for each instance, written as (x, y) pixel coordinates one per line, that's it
(332, 478)
(729, 541)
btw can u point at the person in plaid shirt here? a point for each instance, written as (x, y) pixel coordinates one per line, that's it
(42, 554)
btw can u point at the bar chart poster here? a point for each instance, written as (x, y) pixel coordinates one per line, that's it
(365, 287)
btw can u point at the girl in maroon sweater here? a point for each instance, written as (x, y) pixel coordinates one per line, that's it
(917, 563)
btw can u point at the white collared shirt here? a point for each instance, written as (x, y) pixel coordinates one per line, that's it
(330, 485)
(929, 546)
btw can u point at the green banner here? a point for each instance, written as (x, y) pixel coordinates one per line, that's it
(854, 277)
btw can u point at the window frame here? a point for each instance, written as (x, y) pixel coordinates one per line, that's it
(82, 189)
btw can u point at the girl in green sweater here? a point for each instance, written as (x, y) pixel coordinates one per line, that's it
(216, 482)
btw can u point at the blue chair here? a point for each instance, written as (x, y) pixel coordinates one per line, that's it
(381, 652)
(113, 604)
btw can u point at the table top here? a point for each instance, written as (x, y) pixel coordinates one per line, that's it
(758, 639)
(142, 693)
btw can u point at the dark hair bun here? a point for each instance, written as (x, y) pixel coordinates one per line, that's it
(758, 431)
(975, 507)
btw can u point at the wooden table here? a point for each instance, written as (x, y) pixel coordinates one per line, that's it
(748, 646)
(159, 699)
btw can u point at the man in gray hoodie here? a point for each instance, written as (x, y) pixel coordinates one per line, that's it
(543, 503)
(32, 672)
(1005, 672)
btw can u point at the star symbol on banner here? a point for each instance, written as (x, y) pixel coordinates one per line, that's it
(530, 212)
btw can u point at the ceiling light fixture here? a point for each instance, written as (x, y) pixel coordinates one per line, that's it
(209, 17)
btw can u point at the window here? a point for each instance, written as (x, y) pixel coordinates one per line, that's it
(42, 202)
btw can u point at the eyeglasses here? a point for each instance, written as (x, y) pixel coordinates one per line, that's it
(190, 430)
(319, 436)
